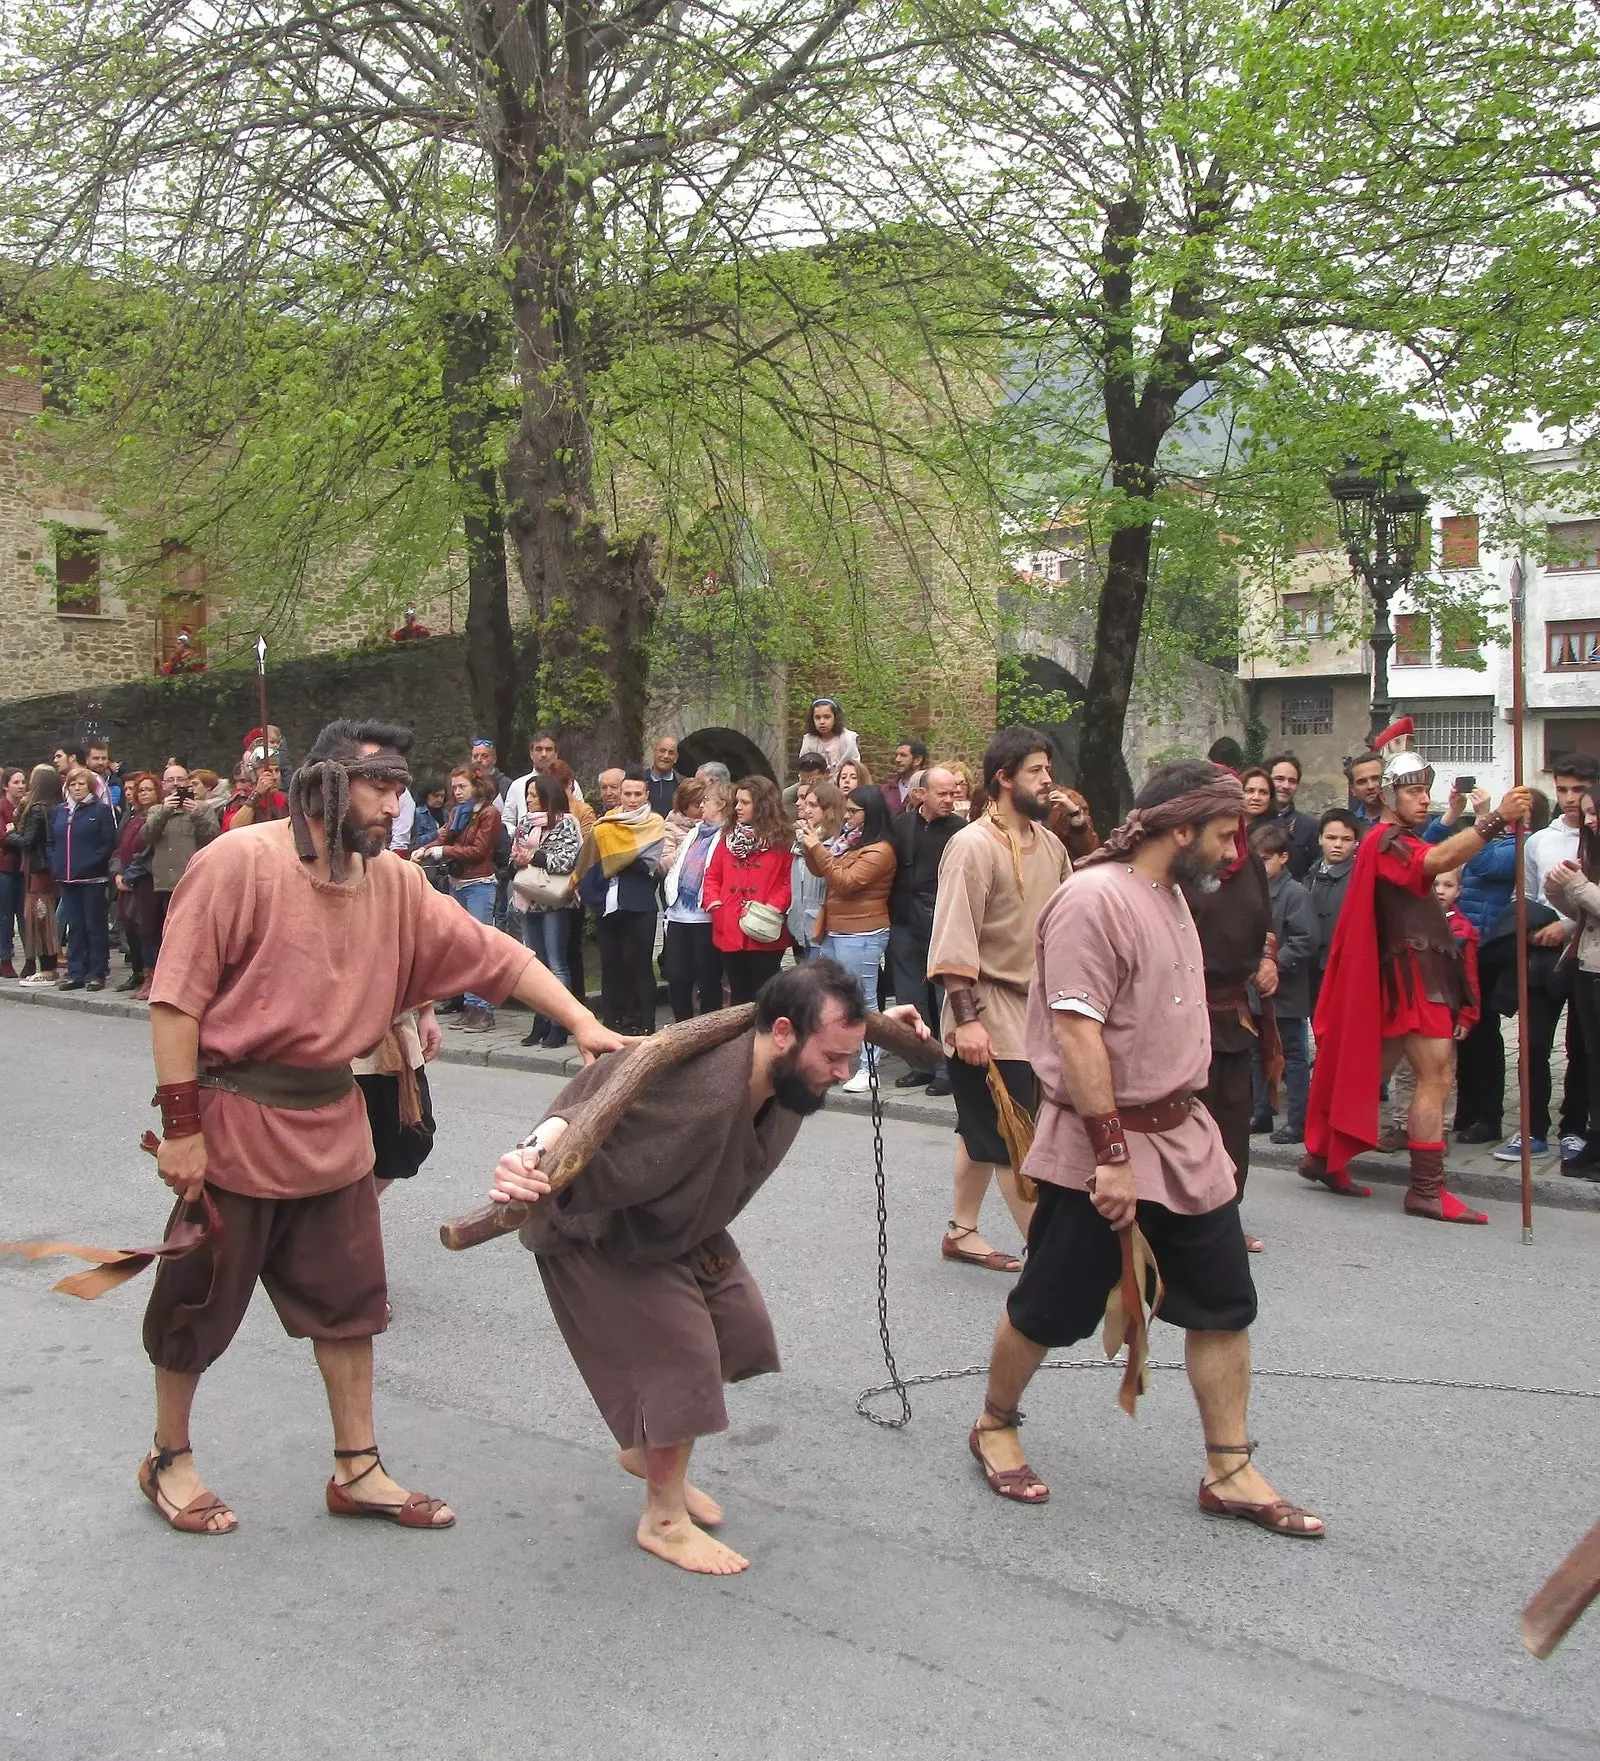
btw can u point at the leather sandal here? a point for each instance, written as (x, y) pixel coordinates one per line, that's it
(1012, 1483)
(993, 1261)
(194, 1518)
(1280, 1517)
(417, 1512)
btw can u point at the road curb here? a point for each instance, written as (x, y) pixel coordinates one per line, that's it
(454, 1051)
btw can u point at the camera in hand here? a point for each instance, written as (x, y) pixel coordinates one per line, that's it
(1464, 785)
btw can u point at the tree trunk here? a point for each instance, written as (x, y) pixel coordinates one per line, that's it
(473, 360)
(1110, 684)
(594, 601)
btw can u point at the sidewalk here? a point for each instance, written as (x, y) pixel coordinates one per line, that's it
(1474, 1172)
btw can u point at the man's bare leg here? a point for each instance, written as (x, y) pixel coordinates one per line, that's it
(346, 1366)
(702, 1507)
(666, 1528)
(180, 1484)
(1433, 1062)
(1012, 1363)
(1219, 1372)
(971, 1187)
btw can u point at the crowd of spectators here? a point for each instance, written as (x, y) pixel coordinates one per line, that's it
(715, 881)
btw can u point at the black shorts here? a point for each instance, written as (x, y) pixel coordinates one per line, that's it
(400, 1149)
(977, 1122)
(1074, 1261)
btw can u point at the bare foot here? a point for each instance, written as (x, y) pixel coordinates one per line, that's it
(177, 1486)
(701, 1506)
(680, 1543)
(377, 1488)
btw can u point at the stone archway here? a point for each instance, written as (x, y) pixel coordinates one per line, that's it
(743, 757)
(1048, 674)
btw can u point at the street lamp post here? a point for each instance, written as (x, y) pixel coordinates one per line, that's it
(1382, 520)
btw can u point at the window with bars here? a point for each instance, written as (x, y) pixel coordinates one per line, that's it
(1305, 616)
(1308, 712)
(1455, 736)
(78, 572)
(1573, 647)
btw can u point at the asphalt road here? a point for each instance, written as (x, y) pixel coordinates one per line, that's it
(894, 1607)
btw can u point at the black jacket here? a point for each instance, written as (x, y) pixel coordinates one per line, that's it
(1305, 838)
(1327, 887)
(918, 846)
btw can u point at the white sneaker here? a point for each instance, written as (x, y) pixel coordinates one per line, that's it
(1572, 1146)
(858, 1084)
(38, 978)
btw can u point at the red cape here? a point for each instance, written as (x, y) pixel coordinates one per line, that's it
(1342, 1111)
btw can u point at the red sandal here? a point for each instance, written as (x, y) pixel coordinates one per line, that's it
(1280, 1517)
(417, 1512)
(993, 1261)
(193, 1518)
(1012, 1483)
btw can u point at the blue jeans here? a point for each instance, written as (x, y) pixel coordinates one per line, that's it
(862, 955)
(545, 934)
(88, 941)
(476, 898)
(1296, 1075)
(11, 891)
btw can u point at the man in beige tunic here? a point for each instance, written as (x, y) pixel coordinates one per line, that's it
(1119, 1032)
(994, 879)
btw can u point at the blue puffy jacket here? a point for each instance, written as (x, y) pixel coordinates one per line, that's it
(1487, 880)
(82, 842)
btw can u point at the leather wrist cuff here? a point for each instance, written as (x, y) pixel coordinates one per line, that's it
(180, 1108)
(1489, 829)
(963, 1005)
(1105, 1137)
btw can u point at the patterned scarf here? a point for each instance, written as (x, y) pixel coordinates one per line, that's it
(744, 841)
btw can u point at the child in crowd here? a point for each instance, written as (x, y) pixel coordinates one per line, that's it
(1295, 926)
(1339, 831)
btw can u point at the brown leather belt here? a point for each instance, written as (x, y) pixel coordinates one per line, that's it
(1152, 1117)
(290, 1086)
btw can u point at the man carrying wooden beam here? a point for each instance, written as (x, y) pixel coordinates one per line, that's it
(646, 1285)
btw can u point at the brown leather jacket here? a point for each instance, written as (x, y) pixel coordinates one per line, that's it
(469, 853)
(858, 889)
(1415, 924)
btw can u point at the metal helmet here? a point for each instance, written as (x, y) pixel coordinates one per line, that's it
(1405, 768)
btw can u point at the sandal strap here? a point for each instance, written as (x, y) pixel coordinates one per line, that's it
(161, 1458)
(1005, 1421)
(356, 1454)
(958, 1233)
(1247, 1450)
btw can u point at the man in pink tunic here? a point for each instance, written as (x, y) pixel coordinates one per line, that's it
(290, 949)
(1119, 1034)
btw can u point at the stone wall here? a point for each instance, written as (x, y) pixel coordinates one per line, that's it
(203, 720)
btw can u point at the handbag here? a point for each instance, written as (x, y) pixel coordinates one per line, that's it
(536, 889)
(761, 923)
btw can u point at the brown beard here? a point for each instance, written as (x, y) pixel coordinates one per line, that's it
(791, 1090)
(365, 838)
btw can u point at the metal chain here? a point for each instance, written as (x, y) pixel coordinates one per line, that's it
(898, 1384)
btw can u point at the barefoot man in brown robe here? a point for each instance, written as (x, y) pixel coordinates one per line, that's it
(646, 1284)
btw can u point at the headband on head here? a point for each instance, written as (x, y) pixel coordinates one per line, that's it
(330, 778)
(1210, 802)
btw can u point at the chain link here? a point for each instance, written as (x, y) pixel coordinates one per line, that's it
(898, 1384)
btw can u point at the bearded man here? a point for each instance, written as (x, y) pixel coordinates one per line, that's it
(995, 877)
(1119, 1032)
(646, 1285)
(290, 949)
(1394, 963)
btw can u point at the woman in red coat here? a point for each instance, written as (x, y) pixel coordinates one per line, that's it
(750, 867)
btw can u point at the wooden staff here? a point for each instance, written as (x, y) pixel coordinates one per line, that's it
(1569, 1589)
(1521, 892)
(593, 1121)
